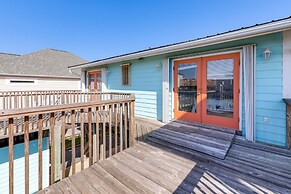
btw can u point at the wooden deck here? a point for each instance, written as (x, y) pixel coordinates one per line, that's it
(161, 165)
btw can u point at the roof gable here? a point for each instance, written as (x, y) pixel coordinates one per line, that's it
(47, 62)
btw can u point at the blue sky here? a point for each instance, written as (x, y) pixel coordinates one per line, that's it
(99, 29)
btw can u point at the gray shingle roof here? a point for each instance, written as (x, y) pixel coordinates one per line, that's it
(7, 56)
(47, 62)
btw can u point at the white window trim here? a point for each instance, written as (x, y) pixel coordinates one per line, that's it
(103, 75)
(236, 50)
(129, 75)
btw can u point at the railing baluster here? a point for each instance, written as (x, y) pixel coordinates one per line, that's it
(11, 156)
(97, 135)
(52, 127)
(90, 136)
(116, 127)
(40, 126)
(73, 142)
(118, 114)
(63, 144)
(121, 127)
(125, 124)
(104, 131)
(132, 124)
(110, 131)
(4, 101)
(26, 152)
(82, 139)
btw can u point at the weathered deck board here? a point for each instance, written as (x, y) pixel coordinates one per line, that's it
(188, 136)
(162, 166)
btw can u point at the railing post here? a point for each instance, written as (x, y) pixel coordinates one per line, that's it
(40, 166)
(132, 122)
(26, 153)
(11, 156)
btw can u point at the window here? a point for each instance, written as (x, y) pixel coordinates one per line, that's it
(125, 74)
(22, 81)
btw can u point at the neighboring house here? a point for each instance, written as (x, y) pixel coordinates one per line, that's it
(42, 70)
(7, 56)
(236, 79)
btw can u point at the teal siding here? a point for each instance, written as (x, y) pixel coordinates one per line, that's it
(269, 92)
(19, 175)
(269, 89)
(145, 82)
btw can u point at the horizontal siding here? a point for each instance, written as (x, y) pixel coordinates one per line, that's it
(19, 168)
(269, 89)
(41, 84)
(145, 83)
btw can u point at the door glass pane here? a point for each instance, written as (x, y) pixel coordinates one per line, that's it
(99, 82)
(187, 87)
(91, 82)
(220, 87)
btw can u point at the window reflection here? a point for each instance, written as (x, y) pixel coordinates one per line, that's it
(187, 87)
(220, 87)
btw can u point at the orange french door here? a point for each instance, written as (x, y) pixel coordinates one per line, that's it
(187, 89)
(206, 90)
(94, 83)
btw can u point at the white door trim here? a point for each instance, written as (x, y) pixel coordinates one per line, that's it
(165, 90)
(206, 55)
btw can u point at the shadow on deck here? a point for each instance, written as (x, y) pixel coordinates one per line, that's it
(180, 158)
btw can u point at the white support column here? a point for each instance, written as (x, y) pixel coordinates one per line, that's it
(165, 71)
(82, 84)
(286, 64)
(104, 79)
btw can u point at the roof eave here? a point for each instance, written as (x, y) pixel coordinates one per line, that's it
(259, 30)
(41, 76)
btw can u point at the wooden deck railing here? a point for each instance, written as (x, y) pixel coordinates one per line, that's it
(106, 127)
(27, 99)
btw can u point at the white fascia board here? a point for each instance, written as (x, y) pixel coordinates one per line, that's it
(259, 30)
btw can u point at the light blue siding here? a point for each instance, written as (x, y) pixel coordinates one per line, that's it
(19, 175)
(145, 82)
(269, 92)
